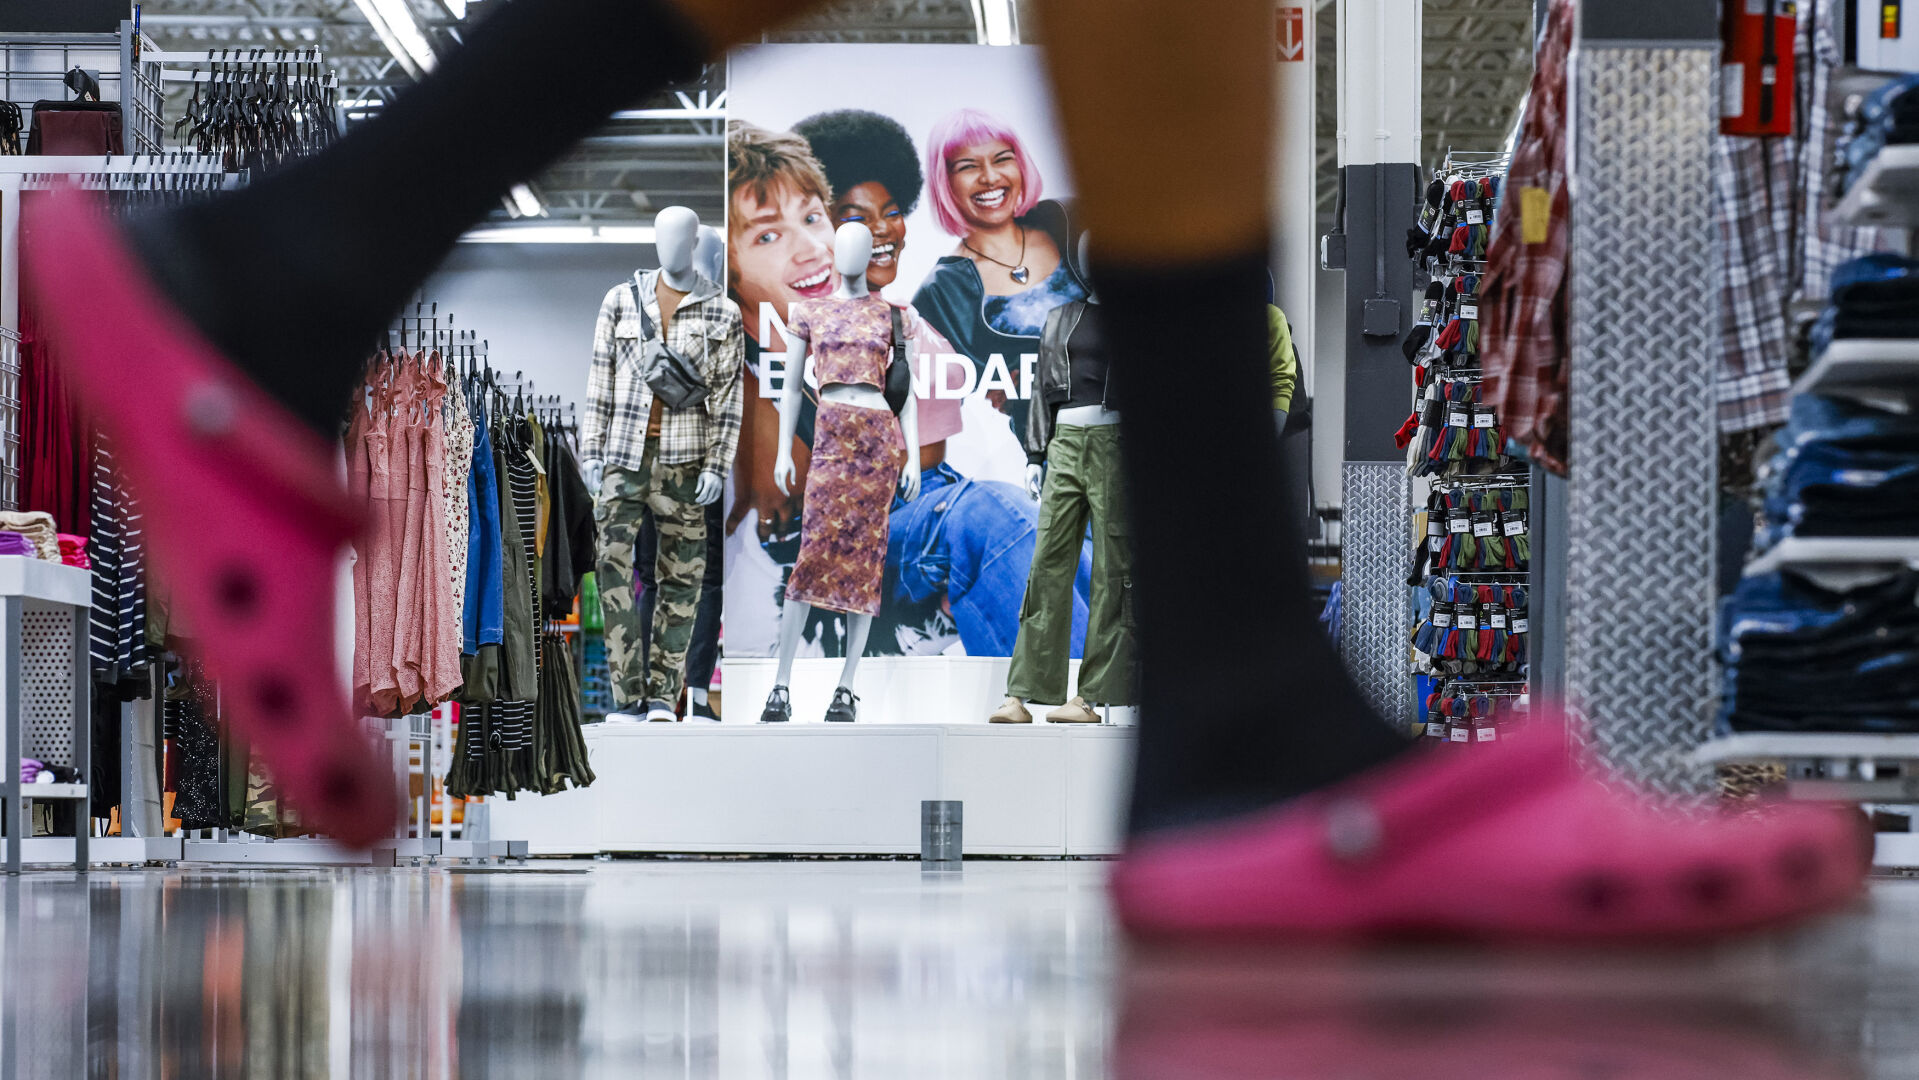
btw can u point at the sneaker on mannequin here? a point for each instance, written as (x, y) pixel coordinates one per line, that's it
(660, 712)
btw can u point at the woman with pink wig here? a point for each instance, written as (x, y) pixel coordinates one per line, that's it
(1010, 267)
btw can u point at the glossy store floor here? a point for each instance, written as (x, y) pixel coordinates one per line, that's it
(861, 969)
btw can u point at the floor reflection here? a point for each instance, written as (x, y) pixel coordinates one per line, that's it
(844, 970)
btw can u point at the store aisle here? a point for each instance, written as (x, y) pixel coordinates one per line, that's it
(869, 969)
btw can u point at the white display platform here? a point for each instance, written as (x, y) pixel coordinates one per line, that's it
(816, 788)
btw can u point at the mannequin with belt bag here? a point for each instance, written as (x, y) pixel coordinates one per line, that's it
(661, 430)
(865, 449)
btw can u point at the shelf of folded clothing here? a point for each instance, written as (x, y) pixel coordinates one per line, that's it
(1870, 369)
(1807, 746)
(28, 578)
(39, 792)
(1837, 550)
(1886, 193)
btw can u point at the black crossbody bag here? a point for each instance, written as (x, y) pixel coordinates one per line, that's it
(899, 373)
(675, 380)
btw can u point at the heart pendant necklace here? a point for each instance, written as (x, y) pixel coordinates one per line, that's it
(1020, 274)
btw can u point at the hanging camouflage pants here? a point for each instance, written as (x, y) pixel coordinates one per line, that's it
(666, 490)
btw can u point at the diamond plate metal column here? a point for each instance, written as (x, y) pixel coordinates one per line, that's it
(1374, 616)
(1640, 529)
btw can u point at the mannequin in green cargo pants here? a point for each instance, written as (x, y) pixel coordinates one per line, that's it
(1072, 439)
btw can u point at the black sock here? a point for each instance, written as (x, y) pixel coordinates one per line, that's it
(1243, 701)
(295, 277)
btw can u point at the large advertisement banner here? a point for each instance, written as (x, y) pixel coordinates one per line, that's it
(951, 156)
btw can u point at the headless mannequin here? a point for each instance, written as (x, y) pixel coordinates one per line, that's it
(1082, 416)
(1078, 415)
(852, 251)
(676, 237)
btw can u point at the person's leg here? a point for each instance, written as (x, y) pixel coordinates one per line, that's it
(1243, 703)
(293, 277)
(1041, 654)
(681, 523)
(622, 498)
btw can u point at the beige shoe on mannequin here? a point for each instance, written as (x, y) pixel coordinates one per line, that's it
(1075, 711)
(1012, 712)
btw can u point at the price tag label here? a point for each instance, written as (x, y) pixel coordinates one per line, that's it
(1468, 621)
(1461, 734)
(1483, 418)
(1442, 619)
(1459, 523)
(1475, 216)
(1436, 729)
(1515, 526)
(1434, 526)
(1486, 734)
(1520, 623)
(1457, 418)
(1497, 620)
(1482, 528)
(1469, 310)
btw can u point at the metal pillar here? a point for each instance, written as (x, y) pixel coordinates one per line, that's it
(1641, 522)
(1379, 140)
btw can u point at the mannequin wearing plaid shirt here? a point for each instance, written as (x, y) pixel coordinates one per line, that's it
(644, 457)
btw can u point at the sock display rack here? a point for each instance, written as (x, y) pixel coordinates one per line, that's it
(1815, 638)
(1471, 553)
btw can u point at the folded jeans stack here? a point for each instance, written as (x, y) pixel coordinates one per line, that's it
(1873, 296)
(1805, 656)
(1889, 116)
(1844, 468)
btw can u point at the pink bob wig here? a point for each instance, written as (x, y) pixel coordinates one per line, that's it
(958, 130)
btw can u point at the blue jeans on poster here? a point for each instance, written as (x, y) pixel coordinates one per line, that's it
(973, 540)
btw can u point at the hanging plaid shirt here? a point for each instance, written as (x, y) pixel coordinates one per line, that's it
(1523, 307)
(1753, 209)
(705, 329)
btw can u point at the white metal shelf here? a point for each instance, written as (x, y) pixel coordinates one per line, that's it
(1837, 551)
(48, 582)
(1886, 193)
(1807, 746)
(39, 792)
(1866, 368)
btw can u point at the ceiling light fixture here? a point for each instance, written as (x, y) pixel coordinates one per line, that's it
(996, 22)
(527, 203)
(393, 21)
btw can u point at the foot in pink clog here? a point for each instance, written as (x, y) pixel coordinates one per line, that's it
(1512, 841)
(245, 514)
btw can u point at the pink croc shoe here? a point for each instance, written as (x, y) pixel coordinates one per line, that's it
(1508, 842)
(245, 514)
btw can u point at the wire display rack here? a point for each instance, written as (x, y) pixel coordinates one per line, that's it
(32, 67)
(9, 419)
